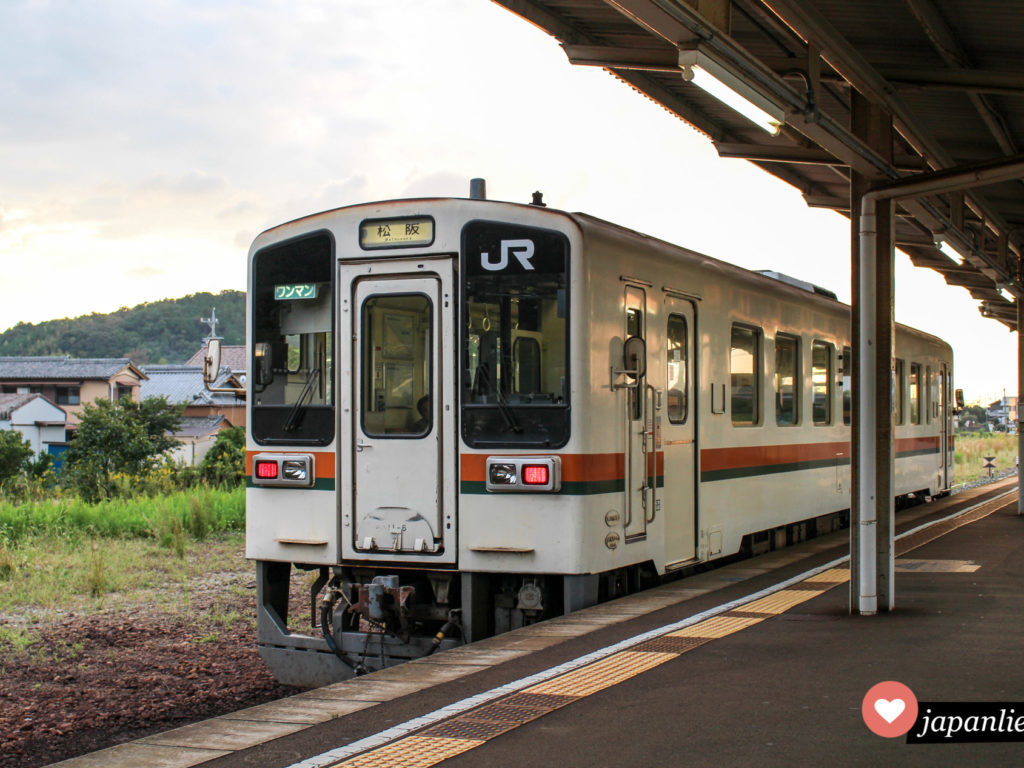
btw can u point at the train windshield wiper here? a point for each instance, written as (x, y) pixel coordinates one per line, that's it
(295, 414)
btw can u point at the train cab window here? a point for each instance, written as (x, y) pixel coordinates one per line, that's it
(914, 393)
(899, 385)
(292, 353)
(515, 336)
(678, 368)
(847, 368)
(396, 354)
(821, 382)
(744, 370)
(787, 374)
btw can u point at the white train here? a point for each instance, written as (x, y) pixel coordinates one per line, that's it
(467, 415)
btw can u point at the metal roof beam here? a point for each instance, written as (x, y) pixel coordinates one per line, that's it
(974, 80)
(843, 56)
(949, 48)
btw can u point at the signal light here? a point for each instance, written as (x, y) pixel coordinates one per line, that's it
(535, 474)
(266, 470)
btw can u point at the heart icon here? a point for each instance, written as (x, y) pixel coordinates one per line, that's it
(889, 710)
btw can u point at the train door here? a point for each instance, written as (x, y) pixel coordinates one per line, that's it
(639, 484)
(402, 408)
(678, 433)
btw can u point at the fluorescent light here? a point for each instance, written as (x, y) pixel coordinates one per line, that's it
(1007, 295)
(730, 89)
(950, 251)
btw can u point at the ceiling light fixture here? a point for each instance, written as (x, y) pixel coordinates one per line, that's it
(950, 251)
(730, 89)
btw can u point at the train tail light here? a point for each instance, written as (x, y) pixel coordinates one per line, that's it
(524, 474)
(535, 474)
(266, 470)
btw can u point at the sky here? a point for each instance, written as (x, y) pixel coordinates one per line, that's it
(143, 145)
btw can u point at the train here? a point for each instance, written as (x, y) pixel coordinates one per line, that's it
(467, 415)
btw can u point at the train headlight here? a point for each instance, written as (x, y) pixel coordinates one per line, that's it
(295, 470)
(501, 474)
(524, 474)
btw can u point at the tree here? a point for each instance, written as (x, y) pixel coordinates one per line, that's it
(122, 438)
(15, 454)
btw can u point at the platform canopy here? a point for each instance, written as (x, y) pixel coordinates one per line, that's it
(950, 73)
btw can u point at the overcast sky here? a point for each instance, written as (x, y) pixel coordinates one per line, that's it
(143, 145)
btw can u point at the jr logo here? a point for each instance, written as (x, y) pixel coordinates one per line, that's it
(521, 249)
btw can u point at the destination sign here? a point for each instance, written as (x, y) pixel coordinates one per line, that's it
(296, 291)
(390, 233)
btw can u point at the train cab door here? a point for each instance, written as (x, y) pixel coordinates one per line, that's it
(678, 432)
(640, 490)
(400, 500)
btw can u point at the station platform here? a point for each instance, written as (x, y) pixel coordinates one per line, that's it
(755, 663)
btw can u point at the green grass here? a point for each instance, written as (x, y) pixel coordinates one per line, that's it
(972, 448)
(199, 512)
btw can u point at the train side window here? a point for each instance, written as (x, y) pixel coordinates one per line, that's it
(745, 368)
(898, 388)
(821, 382)
(787, 374)
(914, 393)
(847, 390)
(678, 367)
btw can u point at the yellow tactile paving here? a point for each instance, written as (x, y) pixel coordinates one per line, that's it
(718, 626)
(780, 602)
(602, 674)
(411, 752)
(833, 576)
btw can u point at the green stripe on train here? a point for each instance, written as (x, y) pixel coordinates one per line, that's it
(321, 484)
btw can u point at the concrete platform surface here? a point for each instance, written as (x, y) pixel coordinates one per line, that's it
(757, 663)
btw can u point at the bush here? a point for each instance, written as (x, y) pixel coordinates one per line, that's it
(15, 454)
(224, 463)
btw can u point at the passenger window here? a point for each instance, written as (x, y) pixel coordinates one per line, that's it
(678, 367)
(847, 391)
(744, 367)
(787, 394)
(898, 388)
(915, 393)
(821, 382)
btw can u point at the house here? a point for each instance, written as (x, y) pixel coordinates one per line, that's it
(206, 412)
(1004, 411)
(71, 383)
(195, 437)
(183, 385)
(38, 420)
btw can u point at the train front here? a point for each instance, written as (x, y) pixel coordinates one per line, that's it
(404, 355)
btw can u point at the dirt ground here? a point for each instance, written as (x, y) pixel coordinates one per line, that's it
(93, 681)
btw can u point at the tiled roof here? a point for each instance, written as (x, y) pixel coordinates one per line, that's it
(200, 426)
(231, 357)
(61, 368)
(183, 384)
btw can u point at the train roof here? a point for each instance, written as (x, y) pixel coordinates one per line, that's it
(585, 221)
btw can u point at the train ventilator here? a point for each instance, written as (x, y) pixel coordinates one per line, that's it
(465, 416)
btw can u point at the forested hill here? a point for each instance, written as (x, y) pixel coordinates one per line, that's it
(167, 331)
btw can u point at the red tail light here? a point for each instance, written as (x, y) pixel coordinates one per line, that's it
(266, 470)
(535, 474)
